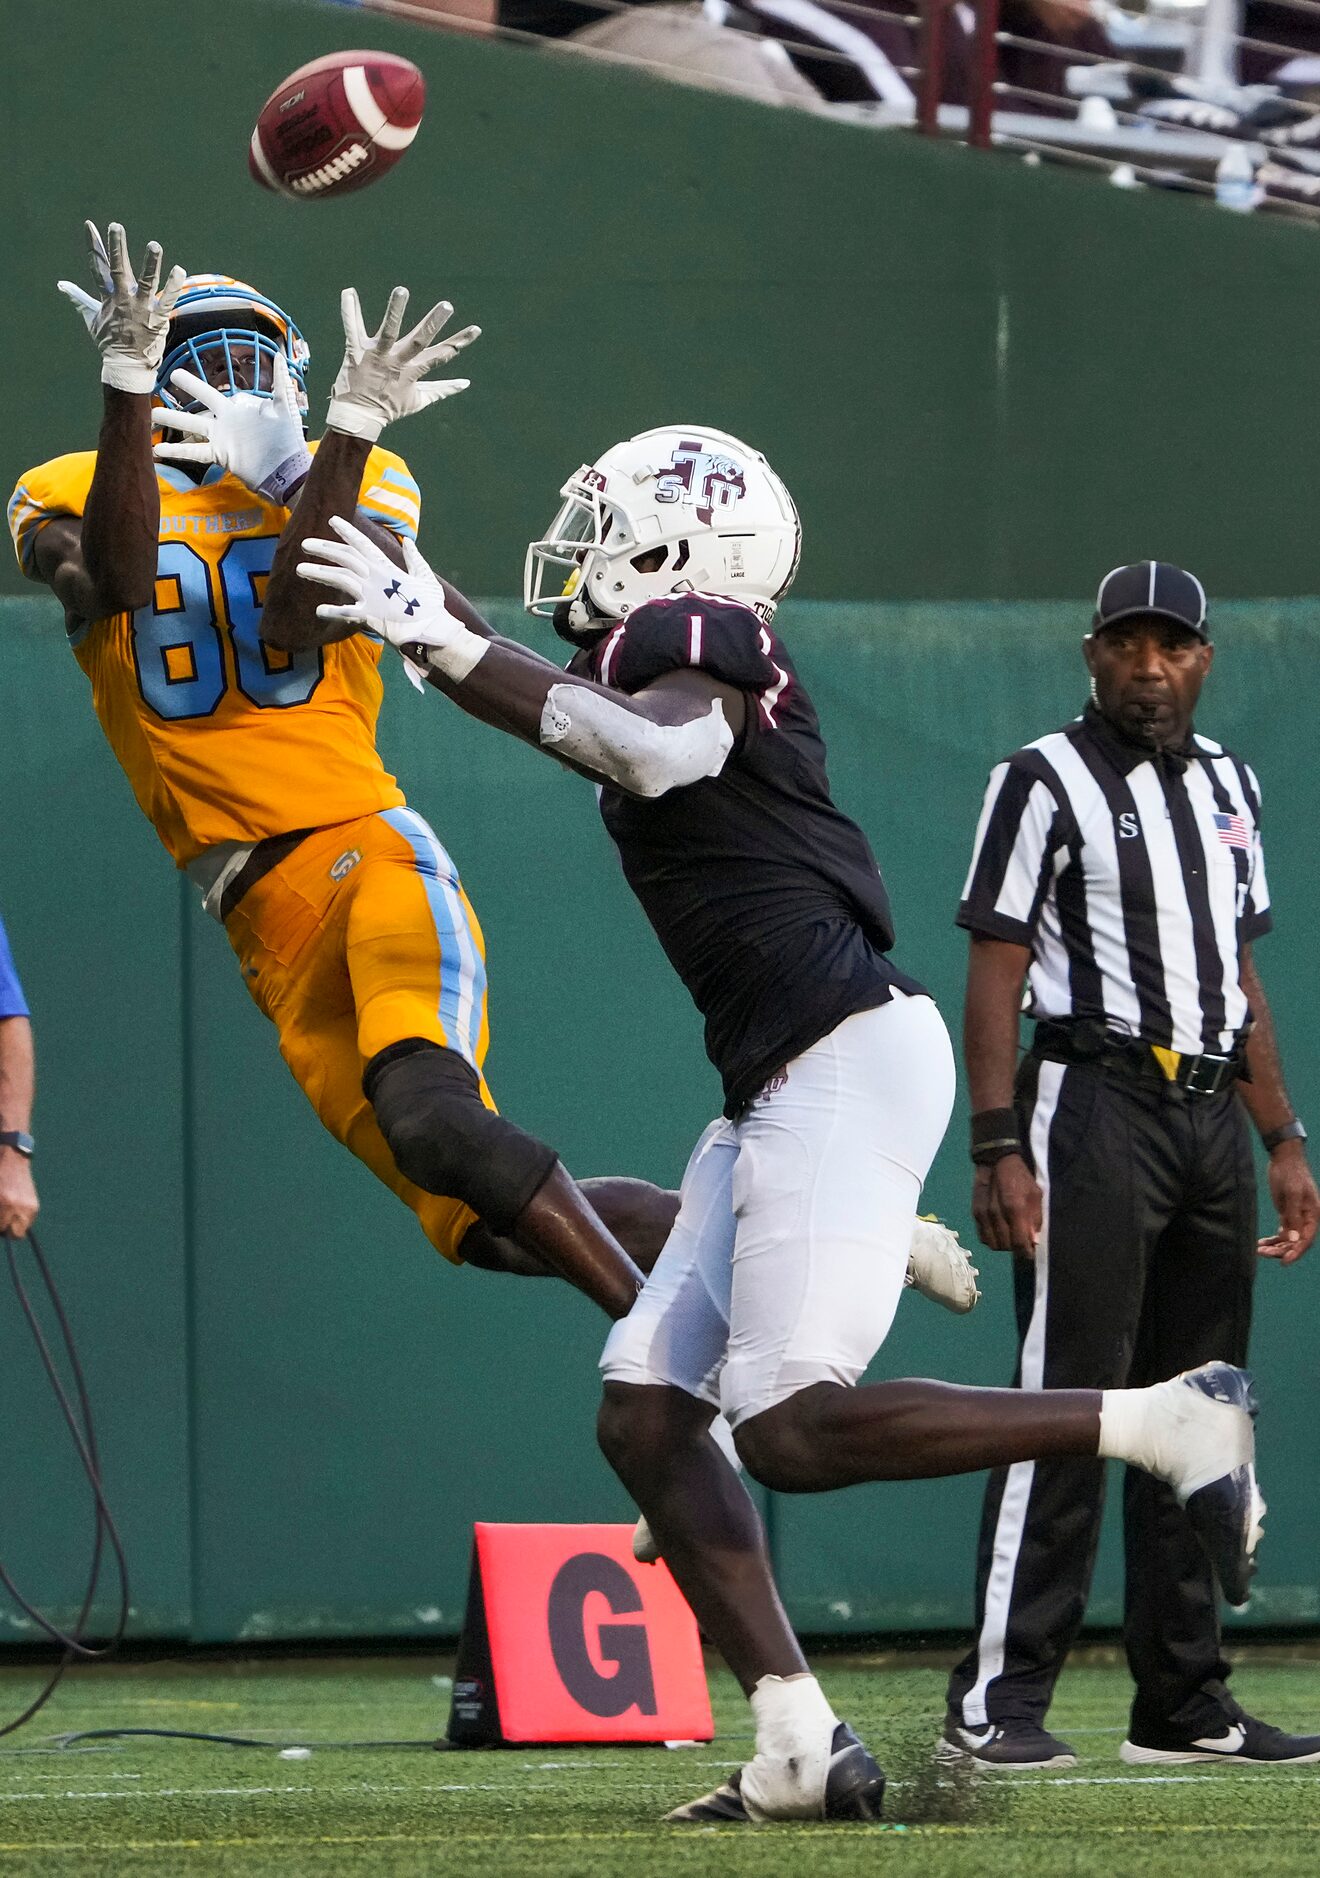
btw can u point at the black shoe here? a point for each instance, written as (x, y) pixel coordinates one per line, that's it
(1239, 1739)
(854, 1789)
(855, 1784)
(1009, 1745)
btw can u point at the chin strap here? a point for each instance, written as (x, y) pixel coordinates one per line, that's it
(584, 631)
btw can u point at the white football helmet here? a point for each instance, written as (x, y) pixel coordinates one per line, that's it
(700, 511)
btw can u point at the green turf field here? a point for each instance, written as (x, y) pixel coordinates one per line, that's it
(160, 1808)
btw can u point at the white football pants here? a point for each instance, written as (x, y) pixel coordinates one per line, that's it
(786, 1261)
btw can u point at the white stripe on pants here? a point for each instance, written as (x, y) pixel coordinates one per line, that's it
(1012, 1519)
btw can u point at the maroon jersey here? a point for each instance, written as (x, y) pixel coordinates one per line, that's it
(766, 898)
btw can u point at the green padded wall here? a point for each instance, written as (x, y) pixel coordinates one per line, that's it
(352, 1403)
(94, 920)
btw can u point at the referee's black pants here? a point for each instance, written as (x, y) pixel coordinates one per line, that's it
(1144, 1268)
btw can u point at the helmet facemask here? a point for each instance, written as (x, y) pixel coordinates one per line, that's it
(230, 336)
(554, 568)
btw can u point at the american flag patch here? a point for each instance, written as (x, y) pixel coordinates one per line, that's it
(1233, 831)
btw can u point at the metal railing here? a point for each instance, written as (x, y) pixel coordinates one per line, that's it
(1131, 137)
(991, 107)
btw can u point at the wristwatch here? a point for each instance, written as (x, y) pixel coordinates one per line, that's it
(1290, 1131)
(16, 1139)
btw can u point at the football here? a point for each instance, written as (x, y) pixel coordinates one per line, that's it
(336, 124)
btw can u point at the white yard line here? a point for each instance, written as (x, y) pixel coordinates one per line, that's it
(327, 1791)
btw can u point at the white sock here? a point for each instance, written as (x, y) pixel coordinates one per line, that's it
(1124, 1424)
(790, 1712)
(787, 1776)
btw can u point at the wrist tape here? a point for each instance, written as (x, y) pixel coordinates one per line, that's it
(354, 420)
(454, 661)
(128, 375)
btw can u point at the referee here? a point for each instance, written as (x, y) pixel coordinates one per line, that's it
(1118, 879)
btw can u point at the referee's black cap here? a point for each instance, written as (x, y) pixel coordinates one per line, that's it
(1152, 587)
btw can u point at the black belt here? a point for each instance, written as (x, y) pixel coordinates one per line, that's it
(267, 854)
(1085, 1042)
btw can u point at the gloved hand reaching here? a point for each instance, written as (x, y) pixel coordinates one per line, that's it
(129, 316)
(383, 376)
(407, 607)
(258, 439)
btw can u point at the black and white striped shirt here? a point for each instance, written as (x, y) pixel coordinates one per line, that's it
(1135, 879)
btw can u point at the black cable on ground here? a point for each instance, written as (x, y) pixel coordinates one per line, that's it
(79, 1420)
(231, 1741)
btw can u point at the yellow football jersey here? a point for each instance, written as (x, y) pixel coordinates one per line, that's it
(223, 737)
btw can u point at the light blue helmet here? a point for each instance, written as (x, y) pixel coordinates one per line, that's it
(215, 314)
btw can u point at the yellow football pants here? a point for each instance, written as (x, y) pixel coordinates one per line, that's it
(360, 937)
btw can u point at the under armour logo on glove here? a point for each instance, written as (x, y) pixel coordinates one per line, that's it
(376, 599)
(394, 589)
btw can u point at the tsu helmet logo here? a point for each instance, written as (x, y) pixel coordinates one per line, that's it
(709, 480)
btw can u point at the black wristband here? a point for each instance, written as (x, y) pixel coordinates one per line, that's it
(994, 1135)
(994, 1125)
(996, 1151)
(1290, 1131)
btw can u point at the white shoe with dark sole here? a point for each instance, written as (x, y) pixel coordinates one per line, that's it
(1205, 1448)
(853, 1789)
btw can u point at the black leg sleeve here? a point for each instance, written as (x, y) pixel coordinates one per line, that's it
(444, 1138)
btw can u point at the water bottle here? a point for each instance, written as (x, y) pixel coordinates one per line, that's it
(1235, 180)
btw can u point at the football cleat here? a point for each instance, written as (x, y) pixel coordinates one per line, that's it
(721, 1807)
(1011, 1746)
(1203, 1443)
(853, 1789)
(1243, 1742)
(939, 1267)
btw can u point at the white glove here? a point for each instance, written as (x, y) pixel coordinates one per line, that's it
(407, 608)
(130, 316)
(381, 377)
(259, 440)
